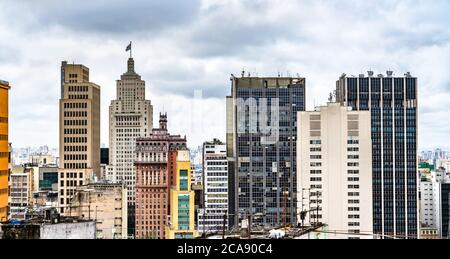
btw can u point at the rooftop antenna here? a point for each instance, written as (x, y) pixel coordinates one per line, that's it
(243, 72)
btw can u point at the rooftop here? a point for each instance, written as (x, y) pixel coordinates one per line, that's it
(371, 74)
(4, 84)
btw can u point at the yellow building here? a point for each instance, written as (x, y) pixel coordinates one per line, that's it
(181, 223)
(4, 150)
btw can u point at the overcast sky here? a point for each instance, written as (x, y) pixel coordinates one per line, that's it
(184, 46)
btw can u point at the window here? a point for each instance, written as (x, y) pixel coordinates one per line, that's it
(184, 180)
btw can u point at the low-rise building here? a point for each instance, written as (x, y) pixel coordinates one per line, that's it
(106, 203)
(67, 228)
(429, 233)
(21, 191)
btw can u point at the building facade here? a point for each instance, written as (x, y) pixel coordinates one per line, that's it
(392, 101)
(79, 132)
(4, 153)
(261, 148)
(105, 203)
(441, 208)
(215, 182)
(42, 159)
(21, 191)
(426, 203)
(181, 220)
(334, 169)
(130, 117)
(155, 165)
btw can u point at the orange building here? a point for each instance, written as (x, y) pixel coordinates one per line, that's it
(4, 150)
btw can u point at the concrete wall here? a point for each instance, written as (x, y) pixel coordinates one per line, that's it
(81, 230)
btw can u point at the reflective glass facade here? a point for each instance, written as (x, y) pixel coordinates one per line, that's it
(261, 172)
(393, 105)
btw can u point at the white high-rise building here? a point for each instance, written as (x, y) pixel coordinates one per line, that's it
(130, 117)
(334, 173)
(215, 182)
(426, 203)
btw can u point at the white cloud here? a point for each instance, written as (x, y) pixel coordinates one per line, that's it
(317, 39)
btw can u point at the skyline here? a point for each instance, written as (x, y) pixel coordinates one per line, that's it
(199, 44)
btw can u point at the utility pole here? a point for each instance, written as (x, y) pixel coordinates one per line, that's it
(249, 227)
(223, 226)
(285, 209)
(89, 205)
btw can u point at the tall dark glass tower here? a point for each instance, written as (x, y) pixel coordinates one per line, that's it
(392, 101)
(261, 149)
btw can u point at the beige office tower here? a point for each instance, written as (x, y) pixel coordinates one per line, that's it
(130, 117)
(334, 174)
(79, 132)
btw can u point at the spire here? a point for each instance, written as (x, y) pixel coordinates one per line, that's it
(130, 65)
(163, 121)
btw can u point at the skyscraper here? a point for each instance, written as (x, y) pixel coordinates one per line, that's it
(215, 182)
(261, 148)
(392, 101)
(334, 155)
(155, 163)
(130, 117)
(4, 149)
(79, 132)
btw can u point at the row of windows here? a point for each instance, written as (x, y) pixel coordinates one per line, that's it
(71, 175)
(78, 96)
(75, 165)
(75, 148)
(75, 131)
(3, 119)
(75, 114)
(75, 122)
(71, 183)
(75, 140)
(75, 157)
(78, 88)
(75, 105)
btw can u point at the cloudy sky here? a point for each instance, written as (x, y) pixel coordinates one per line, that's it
(187, 49)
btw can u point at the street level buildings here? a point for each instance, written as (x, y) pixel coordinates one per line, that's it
(79, 132)
(215, 181)
(261, 148)
(4, 152)
(334, 169)
(392, 101)
(155, 163)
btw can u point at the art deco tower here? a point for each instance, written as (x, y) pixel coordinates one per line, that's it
(130, 117)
